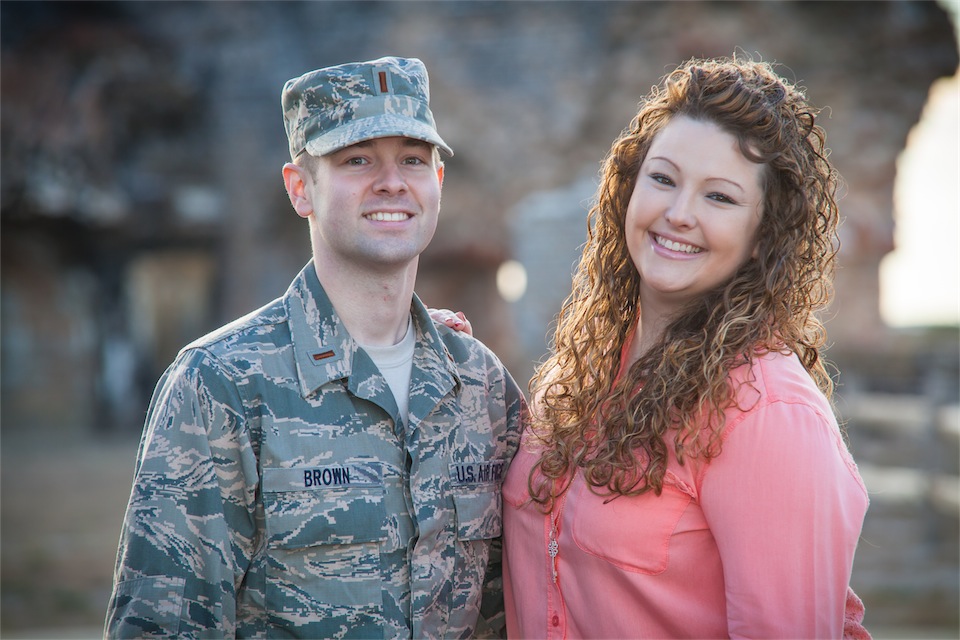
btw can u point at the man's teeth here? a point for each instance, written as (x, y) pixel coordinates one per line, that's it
(676, 246)
(384, 216)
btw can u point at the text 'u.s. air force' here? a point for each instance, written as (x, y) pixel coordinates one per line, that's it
(486, 472)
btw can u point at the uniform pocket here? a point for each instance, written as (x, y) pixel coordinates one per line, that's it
(632, 533)
(334, 504)
(324, 530)
(479, 524)
(479, 515)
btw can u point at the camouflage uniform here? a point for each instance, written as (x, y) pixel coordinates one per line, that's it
(277, 493)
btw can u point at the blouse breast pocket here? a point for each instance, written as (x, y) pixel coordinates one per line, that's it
(632, 533)
(324, 529)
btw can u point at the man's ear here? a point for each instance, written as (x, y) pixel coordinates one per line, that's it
(295, 179)
(440, 174)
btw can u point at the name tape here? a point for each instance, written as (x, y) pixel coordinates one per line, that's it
(325, 477)
(486, 472)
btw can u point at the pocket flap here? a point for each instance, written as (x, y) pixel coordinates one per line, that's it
(479, 515)
(333, 504)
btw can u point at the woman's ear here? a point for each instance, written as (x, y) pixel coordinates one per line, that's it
(295, 179)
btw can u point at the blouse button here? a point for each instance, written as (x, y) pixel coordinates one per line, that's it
(556, 620)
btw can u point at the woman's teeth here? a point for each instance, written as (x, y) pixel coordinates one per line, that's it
(676, 246)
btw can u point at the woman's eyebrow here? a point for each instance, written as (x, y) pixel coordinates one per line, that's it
(710, 179)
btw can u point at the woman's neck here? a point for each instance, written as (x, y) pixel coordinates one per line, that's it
(649, 331)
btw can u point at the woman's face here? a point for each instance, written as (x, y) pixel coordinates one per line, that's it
(694, 213)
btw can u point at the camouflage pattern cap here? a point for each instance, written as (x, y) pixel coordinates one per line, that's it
(332, 108)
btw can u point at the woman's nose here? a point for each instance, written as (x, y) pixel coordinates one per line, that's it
(680, 213)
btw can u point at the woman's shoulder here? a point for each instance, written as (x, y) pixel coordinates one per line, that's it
(776, 378)
(781, 406)
(777, 375)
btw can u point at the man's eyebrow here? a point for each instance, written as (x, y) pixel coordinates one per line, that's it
(407, 142)
(415, 142)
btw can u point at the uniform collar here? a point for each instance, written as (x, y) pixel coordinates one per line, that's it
(324, 351)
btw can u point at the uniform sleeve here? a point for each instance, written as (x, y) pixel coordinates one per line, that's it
(493, 622)
(785, 505)
(188, 531)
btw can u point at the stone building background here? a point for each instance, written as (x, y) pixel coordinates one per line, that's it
(141, 206)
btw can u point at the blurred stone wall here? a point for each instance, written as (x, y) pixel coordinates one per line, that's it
(142, 205)
(136, 133)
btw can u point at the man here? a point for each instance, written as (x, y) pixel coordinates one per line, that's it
(330, 465)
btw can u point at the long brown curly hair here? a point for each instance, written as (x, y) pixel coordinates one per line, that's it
(617, 430)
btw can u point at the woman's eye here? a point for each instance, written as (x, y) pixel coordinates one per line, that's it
(722, 198)
(662, 179)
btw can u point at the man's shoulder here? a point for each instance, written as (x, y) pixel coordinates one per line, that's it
(464, 348)
(474, 360)
(263, 331)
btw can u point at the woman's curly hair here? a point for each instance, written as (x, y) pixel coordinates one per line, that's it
(617, 429)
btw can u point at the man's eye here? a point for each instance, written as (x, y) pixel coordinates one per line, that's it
(415, 161)
(356, 161)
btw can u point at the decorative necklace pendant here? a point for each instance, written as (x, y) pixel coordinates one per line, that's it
(553, 548)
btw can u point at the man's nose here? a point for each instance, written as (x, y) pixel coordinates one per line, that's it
(390, 179)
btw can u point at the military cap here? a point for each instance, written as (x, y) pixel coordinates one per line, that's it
(334, 107)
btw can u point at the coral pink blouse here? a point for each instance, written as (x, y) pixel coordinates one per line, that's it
(758, 542)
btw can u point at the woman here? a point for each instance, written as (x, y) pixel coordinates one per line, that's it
(683, 474)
